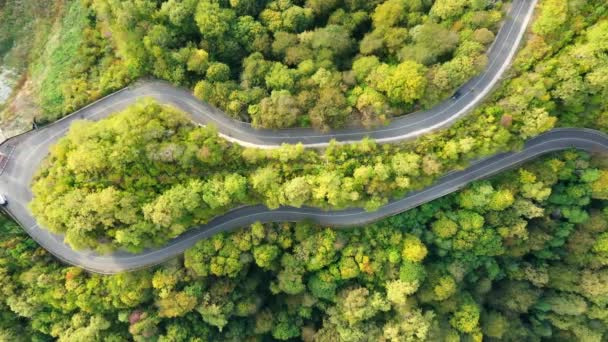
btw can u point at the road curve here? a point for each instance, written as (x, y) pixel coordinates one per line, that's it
(407, 127)
(27, 152)
(555, 140)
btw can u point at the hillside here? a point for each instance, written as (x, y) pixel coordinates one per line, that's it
(519, 256)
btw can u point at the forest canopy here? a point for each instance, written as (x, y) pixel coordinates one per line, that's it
(521, 257)
(177, 167)
(290, 63)
(147, 174)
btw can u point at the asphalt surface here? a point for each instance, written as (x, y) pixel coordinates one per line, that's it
(27, 152)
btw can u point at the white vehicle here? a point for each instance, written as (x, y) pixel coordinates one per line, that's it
(3, 200)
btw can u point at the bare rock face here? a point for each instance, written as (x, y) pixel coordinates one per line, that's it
(18, 110)
(7, 82)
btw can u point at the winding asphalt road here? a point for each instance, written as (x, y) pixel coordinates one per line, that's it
(11, 182)
(27, 151)
(407, 127)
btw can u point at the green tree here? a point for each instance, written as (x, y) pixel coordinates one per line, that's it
(280, 110)
(405, 83)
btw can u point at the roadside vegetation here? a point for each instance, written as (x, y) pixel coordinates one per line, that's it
(520, 257)
(23, 26)
(186, 175)
(147, 174)
(24, 29)
(59, 61)
(304, 63)
(266, 62)
(107, 44)
(60, 57)
(76, 66)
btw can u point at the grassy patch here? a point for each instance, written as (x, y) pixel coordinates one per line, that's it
(57, 61)
(24, 26)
